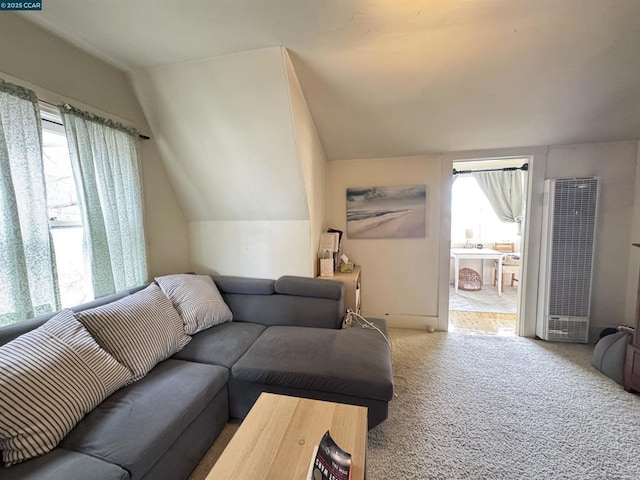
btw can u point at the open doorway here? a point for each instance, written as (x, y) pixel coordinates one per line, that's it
(487, 218)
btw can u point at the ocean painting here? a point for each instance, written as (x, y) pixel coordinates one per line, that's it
(387, 212)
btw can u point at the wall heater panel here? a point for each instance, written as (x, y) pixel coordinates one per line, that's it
(566, 264)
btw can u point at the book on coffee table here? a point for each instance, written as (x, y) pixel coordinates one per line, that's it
(329, 461)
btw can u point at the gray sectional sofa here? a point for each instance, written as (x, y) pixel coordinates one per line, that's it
(285, 338)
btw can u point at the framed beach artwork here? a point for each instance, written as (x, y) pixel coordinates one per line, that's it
(387, 212)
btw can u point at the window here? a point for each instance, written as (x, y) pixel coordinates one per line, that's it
(470, 210)
(65, 217)
(75, 196)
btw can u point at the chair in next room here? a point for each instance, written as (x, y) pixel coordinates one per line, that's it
(510, 263)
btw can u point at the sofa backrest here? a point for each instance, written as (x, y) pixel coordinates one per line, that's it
(10, 332)
(306, 302)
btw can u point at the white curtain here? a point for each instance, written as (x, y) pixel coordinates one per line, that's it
(28, 280)
(104, 156)
(504, 190)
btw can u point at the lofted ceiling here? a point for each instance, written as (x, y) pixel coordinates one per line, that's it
(400, 77)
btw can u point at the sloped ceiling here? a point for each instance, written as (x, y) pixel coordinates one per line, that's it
(225, 129)
(397, 77)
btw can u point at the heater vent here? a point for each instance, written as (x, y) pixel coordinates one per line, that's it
(569, 228)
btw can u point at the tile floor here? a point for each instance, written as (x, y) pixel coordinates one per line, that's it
(481, 323)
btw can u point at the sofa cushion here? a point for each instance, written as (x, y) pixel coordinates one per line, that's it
(197, 300)
(135, 426)
(139, 330)
(221, 345)
(353, 361)
(61, 464)
(49, 379)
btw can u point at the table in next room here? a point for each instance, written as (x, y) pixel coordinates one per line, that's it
(476, 253)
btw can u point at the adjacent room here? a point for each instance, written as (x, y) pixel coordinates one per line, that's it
(487, 217)
(377, 239)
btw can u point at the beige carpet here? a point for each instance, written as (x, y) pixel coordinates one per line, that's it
(488, 407)
(209, 460)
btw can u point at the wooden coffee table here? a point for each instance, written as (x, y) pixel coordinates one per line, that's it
(277, 438)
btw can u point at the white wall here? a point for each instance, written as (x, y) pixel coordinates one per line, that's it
(634, 255)
(225, 131)
(60, 72)
(615, 164)
(406, 281)
(263, 249)
(613, 300)
(399, 276)
(313, 160)
(245, 159)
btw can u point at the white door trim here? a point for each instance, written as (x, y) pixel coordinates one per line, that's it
(528, 286)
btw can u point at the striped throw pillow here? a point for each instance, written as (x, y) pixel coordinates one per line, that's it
(196, 299)
(139, 330)
(50, 378)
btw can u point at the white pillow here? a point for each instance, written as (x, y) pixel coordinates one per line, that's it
(197, 299)
(50, 378)
(139, 330)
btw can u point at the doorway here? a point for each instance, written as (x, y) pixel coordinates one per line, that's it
(488, 200)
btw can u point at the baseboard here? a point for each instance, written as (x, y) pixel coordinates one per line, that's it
(399, 320)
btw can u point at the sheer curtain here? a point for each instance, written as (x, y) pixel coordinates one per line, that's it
(28, 280)
(504, 190)
(104, 157)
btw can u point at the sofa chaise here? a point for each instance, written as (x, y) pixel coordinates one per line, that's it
(285, 338)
